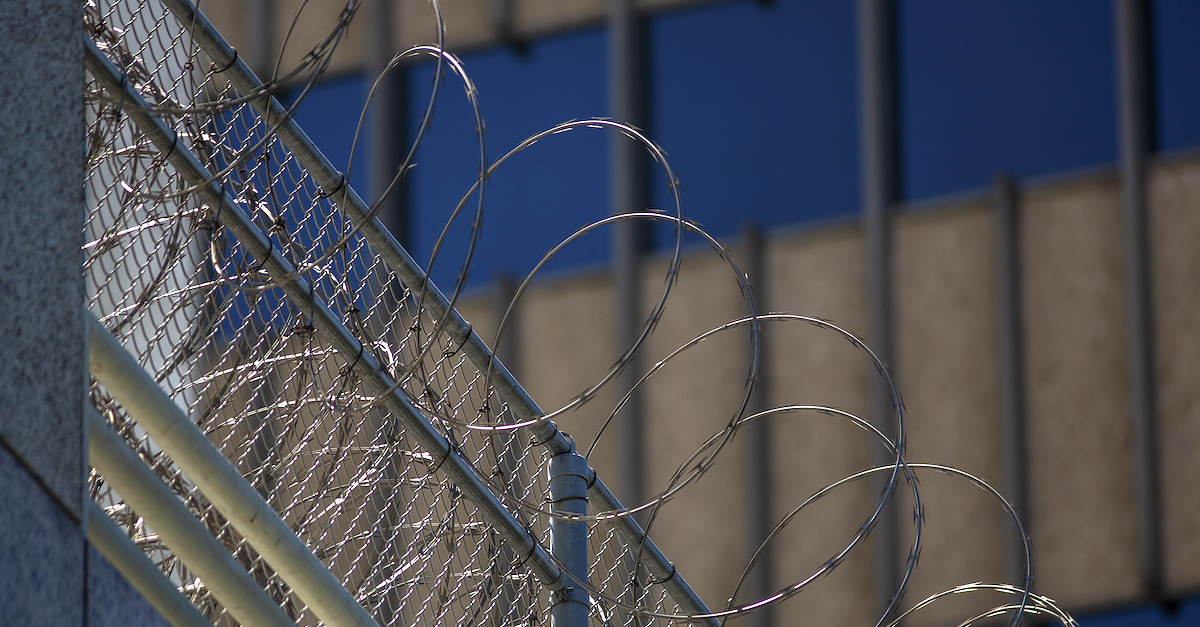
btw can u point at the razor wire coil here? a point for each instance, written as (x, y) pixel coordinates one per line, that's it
(214, 328)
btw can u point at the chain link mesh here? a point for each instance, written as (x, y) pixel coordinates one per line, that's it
(286, 409)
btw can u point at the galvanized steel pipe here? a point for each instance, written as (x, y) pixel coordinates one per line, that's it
(569, 476)
(220, 482)
(179, 529)
(139, 571)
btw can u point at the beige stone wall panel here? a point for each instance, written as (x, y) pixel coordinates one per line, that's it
(1079, 435)
(819, 273)
(479, 310)
(469, 24)
(229, 17)
(539, 17)
(692, 398)
(1175, 261)
(946, 368)
(310, 26)
(566, 345)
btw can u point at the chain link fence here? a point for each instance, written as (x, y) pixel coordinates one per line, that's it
(252, 284)
(217, 331)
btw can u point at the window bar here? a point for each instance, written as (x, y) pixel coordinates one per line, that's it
(626, 73)
(879, 156)
(758, 439)
(387, 122)
(1136, 136)
(1011, 368)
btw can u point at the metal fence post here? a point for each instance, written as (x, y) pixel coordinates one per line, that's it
(569, 478)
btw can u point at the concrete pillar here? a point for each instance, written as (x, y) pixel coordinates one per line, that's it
(43, 358)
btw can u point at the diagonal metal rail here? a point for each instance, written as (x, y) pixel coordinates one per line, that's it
(300, 292)
(138, 570)
(398, 260)
(176, 525)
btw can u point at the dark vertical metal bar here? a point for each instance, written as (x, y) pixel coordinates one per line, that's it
(501, 12)
(507, 341)
(627, 102)
(1011, 368)
(1136, 132)
(260, 37)
(628, 188)
(758, 441)
(387, 121)
(504, 20)
(877, 125)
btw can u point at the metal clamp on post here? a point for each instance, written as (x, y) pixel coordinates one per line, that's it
(569, 477)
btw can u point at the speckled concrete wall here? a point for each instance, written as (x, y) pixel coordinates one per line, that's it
(1079, 435)
(1175, 262)
(49, 575)
(693, 397)
(42, 548)
(1079, 438)
(946, 363)
(566, 331)
(819, 274)
(44, 354)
